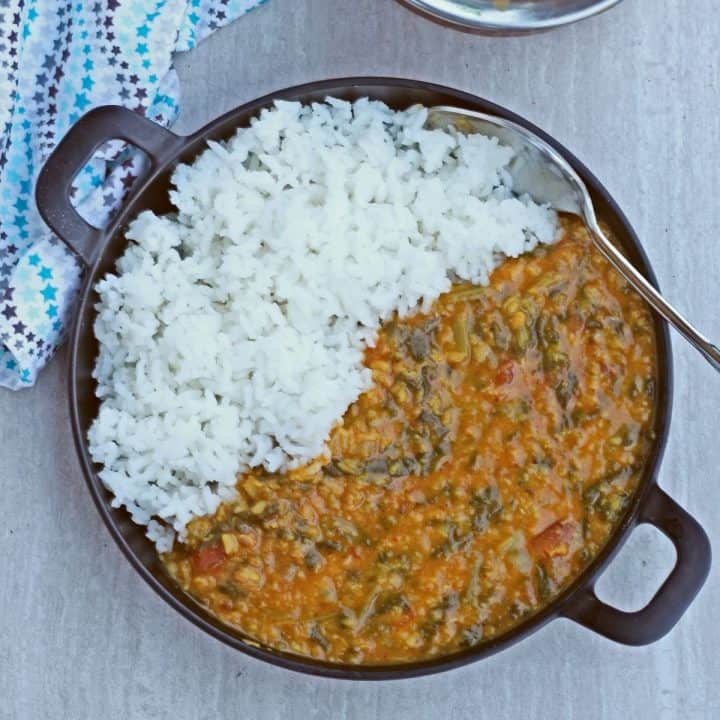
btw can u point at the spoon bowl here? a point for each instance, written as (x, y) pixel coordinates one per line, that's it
(539, 171)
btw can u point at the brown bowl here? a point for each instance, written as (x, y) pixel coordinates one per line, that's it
(101, 248)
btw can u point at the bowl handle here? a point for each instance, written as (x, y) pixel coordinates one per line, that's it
(664, 610)
(52, 192)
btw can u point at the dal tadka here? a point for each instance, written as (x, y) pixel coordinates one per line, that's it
(496, 451)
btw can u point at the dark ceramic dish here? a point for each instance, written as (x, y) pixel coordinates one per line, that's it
(101, 248)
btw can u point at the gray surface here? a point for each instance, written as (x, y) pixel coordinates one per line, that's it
(635, 94)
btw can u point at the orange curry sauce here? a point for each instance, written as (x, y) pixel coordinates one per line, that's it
(504, 434)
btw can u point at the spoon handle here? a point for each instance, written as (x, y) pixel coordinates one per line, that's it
(654, 298)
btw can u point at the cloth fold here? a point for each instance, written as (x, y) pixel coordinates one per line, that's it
(59, 59)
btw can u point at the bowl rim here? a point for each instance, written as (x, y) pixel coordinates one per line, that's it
(193, 611)
(495, 25)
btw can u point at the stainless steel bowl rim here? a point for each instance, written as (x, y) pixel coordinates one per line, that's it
(526, 17)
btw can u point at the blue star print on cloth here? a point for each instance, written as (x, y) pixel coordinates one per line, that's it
(57, 61)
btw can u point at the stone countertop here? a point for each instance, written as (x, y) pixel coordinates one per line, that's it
(634, 93)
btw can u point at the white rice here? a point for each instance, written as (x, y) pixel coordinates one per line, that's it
(232, 335)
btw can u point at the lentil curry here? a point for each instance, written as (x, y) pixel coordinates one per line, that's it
(487, 466)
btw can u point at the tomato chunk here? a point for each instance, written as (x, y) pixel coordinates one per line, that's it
(505, 373)
(554, 540)
(207, 557)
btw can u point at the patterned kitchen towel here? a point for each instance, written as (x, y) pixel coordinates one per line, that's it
(59, 59)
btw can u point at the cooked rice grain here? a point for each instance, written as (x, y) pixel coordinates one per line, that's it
(232, 334)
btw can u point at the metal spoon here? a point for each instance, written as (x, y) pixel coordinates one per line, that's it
(541, 172)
